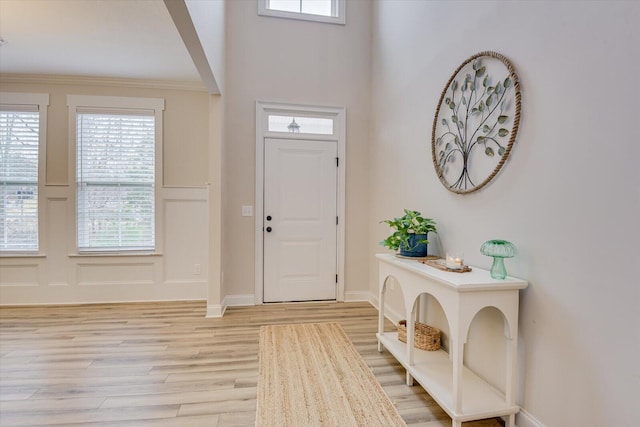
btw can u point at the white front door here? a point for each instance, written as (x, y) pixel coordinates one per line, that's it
(300, 215)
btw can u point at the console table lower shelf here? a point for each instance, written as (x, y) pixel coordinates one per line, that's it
(434, 372)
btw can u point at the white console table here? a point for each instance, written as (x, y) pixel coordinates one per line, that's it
(459, 391)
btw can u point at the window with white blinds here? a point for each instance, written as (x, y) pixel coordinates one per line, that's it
(115, 178)
(19, 157)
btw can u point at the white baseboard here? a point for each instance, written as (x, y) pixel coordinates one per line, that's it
(390, 314)
(358, 296)
(238, 300)
(525, 419)
(89, 302)
(215, 310)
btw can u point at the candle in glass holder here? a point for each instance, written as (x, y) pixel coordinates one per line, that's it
(455, 261)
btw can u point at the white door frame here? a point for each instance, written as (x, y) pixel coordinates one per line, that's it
(338, 114)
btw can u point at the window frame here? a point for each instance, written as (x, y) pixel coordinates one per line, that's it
(117, 105)
(41, 101)
(337, 6)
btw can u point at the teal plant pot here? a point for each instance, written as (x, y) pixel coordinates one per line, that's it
(415, 249)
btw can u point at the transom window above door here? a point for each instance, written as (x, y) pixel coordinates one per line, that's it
(331, 11)
(293, 124)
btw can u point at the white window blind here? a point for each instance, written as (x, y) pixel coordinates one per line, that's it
(19, 151)
(115, 177)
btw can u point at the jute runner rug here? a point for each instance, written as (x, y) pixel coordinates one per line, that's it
(312, 375)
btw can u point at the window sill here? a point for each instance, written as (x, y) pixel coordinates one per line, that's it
(22, 255)
(82, 255)
(304, 17)
(114, 254)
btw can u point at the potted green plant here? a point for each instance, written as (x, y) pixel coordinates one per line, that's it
(410, 235)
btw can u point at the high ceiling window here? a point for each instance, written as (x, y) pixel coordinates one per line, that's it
(331, 11)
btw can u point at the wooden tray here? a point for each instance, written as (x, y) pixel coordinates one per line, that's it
(418, 258)
(440, 264)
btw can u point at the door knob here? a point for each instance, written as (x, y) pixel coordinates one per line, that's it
(268, 217)
(269, 229)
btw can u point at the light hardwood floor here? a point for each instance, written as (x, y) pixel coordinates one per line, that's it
(165, 364)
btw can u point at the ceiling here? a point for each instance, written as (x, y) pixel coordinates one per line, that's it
(130, 39)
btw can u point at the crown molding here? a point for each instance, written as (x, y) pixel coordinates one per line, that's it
(102, 81)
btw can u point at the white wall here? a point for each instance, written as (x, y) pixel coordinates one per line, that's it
(569, 196)
(274, 59)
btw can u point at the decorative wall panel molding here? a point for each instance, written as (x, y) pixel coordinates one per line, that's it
(19, 274)
(59, 275)
(115, 273)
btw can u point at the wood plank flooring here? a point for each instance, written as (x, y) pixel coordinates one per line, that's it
(165, 364)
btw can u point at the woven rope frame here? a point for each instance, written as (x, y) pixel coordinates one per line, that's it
(514, 130)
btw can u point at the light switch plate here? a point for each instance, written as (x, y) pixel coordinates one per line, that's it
(247, 210)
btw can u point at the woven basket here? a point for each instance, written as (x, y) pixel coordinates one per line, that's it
(425, 338)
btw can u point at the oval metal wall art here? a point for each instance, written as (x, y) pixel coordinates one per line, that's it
(476, 122)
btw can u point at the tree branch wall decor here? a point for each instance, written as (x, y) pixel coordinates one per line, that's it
(476, 122)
